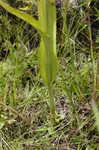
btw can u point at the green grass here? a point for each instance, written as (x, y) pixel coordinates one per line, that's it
(25, 122)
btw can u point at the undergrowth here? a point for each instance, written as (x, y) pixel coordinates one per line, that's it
(24, 109)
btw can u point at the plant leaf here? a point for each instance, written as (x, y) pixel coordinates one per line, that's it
(26, 17)
(48, 64)
(96, 113)
(47, 51)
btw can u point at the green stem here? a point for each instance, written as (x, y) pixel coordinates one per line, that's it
(52, 104)
(93, 61)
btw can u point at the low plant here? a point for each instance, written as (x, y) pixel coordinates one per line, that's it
(46, 26)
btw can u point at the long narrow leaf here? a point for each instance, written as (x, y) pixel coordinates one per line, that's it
(26, 17)
(96, 113)
(47, 51)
